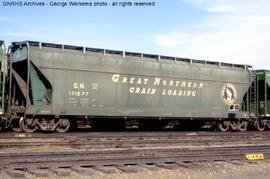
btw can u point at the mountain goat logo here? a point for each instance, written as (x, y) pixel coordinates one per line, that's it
(228, 93)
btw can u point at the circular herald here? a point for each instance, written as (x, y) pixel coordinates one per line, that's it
(228, 93)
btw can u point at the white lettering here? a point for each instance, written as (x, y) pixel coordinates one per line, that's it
(164, 82)
(131, 90)
(137, 91)
(157, 81)
(124, 80)
(131, 80)
(145, 81)
(139, 81)
(163, 92)
(201, 85)
(143, 91)
(183, 84)
(153, 91)
(115, 78)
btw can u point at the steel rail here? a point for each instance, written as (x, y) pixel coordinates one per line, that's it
(125, 156)
(133, 138)
(133, 134)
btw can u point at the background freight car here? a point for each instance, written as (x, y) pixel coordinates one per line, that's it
(3, 68)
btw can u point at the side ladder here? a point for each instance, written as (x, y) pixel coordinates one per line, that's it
(253, 92)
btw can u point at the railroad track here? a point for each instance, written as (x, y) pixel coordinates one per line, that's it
(125, 159)
(133, 139)
(90, 152)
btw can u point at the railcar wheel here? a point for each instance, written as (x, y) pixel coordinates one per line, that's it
(16, 129)
(224, 126)
(260, 125)
(243, 126)
(15, 126)
(268, 125)
(27, 125)
(64, 125)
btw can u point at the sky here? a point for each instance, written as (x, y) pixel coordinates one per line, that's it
(233, 31)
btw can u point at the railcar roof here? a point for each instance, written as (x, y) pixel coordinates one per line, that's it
(127, 53)
(262, 70)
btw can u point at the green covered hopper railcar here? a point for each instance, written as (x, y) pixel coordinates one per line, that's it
(55, 84)
(263, 99)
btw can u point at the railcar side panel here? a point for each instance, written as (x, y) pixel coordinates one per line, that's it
(70, 82)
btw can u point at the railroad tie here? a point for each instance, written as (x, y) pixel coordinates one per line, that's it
(151, 167)
(15, 173)
(128, 168)
(106, 169)
(40, 173)
(168, 166)
(83, 170)
(61, 171)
